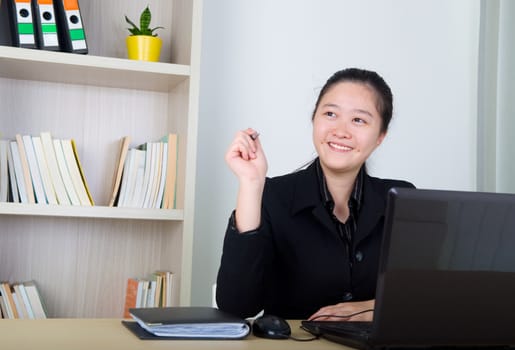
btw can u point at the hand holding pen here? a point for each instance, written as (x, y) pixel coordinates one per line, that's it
(245, 157)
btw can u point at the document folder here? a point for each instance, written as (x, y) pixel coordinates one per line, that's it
(46, 25)
(21, 23)
(186, 323)
(72, 37)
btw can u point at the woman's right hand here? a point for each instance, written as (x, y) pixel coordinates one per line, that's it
(245, 157)
(247, 160)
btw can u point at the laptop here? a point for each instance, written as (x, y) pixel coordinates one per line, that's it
(446, 274)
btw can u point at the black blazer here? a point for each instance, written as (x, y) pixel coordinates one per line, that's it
(296, 262)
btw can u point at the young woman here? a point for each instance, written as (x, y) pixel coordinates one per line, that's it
(306, 245)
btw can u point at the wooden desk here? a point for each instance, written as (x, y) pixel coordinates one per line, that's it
(90, 334)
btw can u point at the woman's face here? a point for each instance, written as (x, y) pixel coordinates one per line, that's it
(346, 127)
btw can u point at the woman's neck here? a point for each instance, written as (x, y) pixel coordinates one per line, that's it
(340, 185)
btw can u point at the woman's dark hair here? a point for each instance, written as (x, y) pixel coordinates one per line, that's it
(384, 97)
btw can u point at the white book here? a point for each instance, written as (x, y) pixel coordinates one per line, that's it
(46, 180)
(4, 173)
(155, 174)
(26, 301)
(20, 179)
(140, 294)
(35, 300)
(125, 178)
(70, 192)
(151, 293)
(75, 172)
(25, 174)
(147, 177)
(53, 168)
(138, 184)
(140, 174)
(158, 203)
(34, 170)
(12, 175)
(135, 161)
(18, 301)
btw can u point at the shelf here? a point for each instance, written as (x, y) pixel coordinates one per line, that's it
(90, 212)
(40, 65)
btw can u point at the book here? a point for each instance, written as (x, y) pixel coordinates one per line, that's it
(148, 176)
(36, 303)
(188, 323)
(6, 291)
(20, 173)
(131, 293)
(158, 199)
(171, 172)
(55, 173)
(81, 169)
(35, 175)
(25, 173)
(117, 180)
(4, 174)
(64, 173)
(48, 186)
(20, 304)
(137, 192)
(3, 307)
(77, 175)
(26, 300)
(13, 186)
(134, 169)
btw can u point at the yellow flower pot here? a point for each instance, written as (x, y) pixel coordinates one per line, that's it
(144, 47)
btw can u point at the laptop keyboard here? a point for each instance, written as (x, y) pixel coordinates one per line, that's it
(361, 329)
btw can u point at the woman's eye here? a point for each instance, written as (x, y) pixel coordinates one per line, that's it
(359, 120)
(330, 114)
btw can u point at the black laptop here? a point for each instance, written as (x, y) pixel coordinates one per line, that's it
(446, 275)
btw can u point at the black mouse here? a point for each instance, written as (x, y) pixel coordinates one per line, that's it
(270, 326)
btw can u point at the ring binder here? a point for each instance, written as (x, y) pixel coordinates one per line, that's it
(21, 23)
(46, 25)
(72, 37)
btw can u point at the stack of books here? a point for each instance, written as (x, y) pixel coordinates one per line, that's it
(155, 291)
(146, 175)
(21, 300)
(40, 169)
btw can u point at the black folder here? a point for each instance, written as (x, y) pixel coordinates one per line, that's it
(22, 30)
(186, 323)
(72, 36)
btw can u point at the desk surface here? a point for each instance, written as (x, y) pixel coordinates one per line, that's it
(78, 334)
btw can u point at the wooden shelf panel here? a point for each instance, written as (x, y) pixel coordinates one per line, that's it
(91, 212)
(40, 65)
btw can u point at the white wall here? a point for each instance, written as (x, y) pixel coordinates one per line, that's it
(264, 61)
(506, 103)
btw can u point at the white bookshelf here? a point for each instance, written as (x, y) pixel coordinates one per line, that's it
(81, 257)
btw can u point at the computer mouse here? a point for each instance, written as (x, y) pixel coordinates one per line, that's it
(270, 326)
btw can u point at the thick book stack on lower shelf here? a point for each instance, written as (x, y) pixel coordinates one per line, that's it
(21, 300)
(155, 291)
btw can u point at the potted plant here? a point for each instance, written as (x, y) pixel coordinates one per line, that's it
(143, 43)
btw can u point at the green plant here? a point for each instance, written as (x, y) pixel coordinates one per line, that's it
(144, 24)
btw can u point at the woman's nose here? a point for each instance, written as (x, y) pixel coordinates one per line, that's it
(341, 130)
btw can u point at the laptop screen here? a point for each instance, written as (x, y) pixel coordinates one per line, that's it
(447, 271)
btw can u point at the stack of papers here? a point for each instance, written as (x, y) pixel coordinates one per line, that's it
(189, 323)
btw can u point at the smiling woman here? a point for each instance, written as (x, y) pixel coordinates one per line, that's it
(306, 244)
